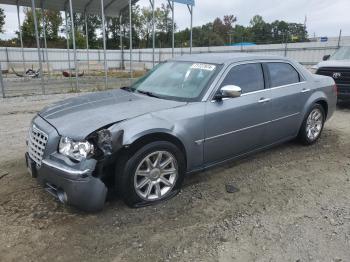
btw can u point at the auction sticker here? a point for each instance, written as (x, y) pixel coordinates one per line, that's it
(203, 66)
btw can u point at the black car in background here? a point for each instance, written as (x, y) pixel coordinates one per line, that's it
(337, 66)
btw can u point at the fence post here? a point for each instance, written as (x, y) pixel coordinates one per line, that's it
(285, 49)
(339, 39)
(2, 83)
(7, 58)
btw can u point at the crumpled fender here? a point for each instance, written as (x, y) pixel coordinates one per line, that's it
(182, 123)
(138, 127)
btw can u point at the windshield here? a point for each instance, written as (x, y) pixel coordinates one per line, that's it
(342, 54)
(184, 81)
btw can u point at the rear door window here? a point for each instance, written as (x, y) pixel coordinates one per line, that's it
(249, 77)
(282, 74)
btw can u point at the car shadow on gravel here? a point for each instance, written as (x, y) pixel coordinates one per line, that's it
(292, 150)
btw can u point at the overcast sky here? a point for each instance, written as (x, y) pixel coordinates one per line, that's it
(324, 17)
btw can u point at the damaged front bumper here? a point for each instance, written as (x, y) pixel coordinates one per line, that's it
(72, 184)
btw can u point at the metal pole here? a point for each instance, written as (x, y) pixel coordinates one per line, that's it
(121, 42)
(45, 42)
(190, 8)
(68, 49)
(130, 36)
(87, 44)
(2, 83)
(339, 39)
(285, 45)
(173, 31)
(38, 46)
(74, 47)
(104, 43)
(153, 32)
(21, 38)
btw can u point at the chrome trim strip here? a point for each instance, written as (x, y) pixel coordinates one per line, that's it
(64, 168)
(274, 88)
(220, 77)
(262, 90)
(199, 142)
(249, 127)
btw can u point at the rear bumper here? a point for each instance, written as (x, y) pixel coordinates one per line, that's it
(76, 187)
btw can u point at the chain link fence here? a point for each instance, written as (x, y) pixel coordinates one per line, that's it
(21, 76)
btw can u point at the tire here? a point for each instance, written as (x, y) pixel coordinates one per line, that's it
(312, 126)
(140, 182)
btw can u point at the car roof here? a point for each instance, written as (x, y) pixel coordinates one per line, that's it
(226, 57)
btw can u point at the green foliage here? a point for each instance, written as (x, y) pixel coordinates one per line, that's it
(224, 32)
(53, 21)
(2, 20)
(221, 31)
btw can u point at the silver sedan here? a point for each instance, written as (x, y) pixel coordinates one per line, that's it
(185, 115)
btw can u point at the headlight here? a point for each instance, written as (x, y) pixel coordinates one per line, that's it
(77, 150)
(313, 69)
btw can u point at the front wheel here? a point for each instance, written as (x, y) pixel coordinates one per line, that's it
(312, 126)
(154, 173)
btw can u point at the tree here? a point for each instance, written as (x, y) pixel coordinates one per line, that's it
(221, 31)
(53, 21)
(261, 31)
(2, 20)
(146, 26)
(28, 31)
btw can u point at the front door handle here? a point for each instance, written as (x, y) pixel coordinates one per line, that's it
(264, 100)
(305, 90)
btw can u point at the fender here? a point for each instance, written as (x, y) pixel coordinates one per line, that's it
(314, 98)
(138, 127)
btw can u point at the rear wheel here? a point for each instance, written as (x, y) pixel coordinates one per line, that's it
(154, 173)
(312, 126)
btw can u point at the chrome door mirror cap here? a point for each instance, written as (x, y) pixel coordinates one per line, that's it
(230, 91)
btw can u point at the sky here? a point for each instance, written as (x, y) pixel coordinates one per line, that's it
(324, 17)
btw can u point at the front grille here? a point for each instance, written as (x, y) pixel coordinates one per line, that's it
(341, 75)
(37, 141)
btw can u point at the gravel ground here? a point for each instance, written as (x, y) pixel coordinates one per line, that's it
(293, 204)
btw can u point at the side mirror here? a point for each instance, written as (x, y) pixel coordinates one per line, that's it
(326, 57)
(229, 91)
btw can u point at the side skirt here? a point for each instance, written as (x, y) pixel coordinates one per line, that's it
(215, 164)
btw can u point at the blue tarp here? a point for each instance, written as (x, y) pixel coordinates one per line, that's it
(242, 44)
(186, 2)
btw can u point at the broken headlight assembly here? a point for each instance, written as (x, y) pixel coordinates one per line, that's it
(75, 150)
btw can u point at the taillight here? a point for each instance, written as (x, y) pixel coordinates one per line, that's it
(335, 89)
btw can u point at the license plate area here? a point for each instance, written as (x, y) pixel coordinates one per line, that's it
(31, 167)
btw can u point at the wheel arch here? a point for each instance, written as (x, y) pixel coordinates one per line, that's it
(324, 105)
(318, 97)
(152, 137)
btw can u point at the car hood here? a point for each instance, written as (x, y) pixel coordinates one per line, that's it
(334, 63)
(80, 116)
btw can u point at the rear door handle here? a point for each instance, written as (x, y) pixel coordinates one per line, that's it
(264, 100)
(305, 90)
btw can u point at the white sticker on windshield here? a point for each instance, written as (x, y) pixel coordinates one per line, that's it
(203, 67)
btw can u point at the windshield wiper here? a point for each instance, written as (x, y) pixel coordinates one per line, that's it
(128, 88)
(147, 93)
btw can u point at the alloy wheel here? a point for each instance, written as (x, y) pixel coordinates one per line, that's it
(156, 175)
(314, 124)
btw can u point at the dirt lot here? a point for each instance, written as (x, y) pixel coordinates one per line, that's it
(293, 205)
